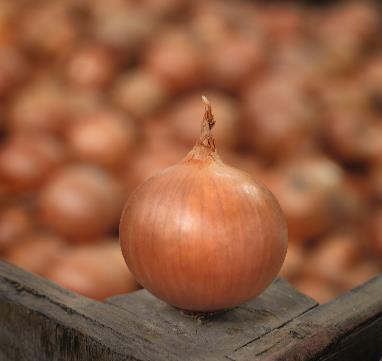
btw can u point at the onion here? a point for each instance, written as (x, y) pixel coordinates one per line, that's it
(249, 164)
(96, 271)
(212, 20)
(294, 261)
(277, 112)
(175, 59)
(358, 183)
(375, 232)
(122, 27)
(336, 255)
(5, 192)
(163, 8)
(376, 181)
(81, 202)
(373, 143)
(318, 290)
(92, 67)
(353, 23)
(361, 274)
(36, 253)
(209, 23)
(311, 195)
(147, 161)
(15, 223)
(233, 59)
(139, 93)
(26, 159)
(348, 123)
(156, 151)
(282, 23)
(371, 79)
(13, 70)
(345, 33)
(56, 32)
(8, 13)
(42, 106)
(355, 137)
(201, 235)
(102, 137)
(183, 114)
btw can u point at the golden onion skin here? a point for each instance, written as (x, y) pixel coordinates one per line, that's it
(203, 236)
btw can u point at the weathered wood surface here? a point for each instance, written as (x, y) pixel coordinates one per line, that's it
(41, 321)
(219, 335)
(348, 328)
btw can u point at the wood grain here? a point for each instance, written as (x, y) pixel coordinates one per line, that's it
(202, 336)
(41, 321)
(348, 328)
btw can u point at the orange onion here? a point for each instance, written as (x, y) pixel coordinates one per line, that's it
(376, 181)
(371, 78)
(183, 114)
(282, 23)
(310, 191)
(162, 7)
(96, 271)
(26, 159)
(8, 14)
(375, 232)
(147, 161)
(15, 223)
(174, 58)
(36, 253)
(209, 22)
(13, 69)
(120, 26)
(335, 257)
(315, 288)
(349, 125)
(81, 202)
(201, 235)
(346, 31)
(373, 143)
(361, 274)
(41, 106)
(102, 137)
(92, 66)
(139, 93)
(57, 31)
(233, 59)
(277, 112)
(157, 150)
(294, 261)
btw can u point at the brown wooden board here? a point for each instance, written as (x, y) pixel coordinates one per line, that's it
(221, 334)
(42, 321)
(348, 328)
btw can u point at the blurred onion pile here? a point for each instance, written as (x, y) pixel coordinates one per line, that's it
(97, 95)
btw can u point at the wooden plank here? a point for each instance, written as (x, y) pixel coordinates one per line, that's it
(224, 333)
(348, 328)
(41, 321)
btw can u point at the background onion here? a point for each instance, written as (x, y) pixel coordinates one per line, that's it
(96, 271)
(81, 202)
(286, 79)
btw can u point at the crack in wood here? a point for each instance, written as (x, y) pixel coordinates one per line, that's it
(276, 328)
(279, 325)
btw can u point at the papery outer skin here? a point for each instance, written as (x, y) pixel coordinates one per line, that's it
(203, 236)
